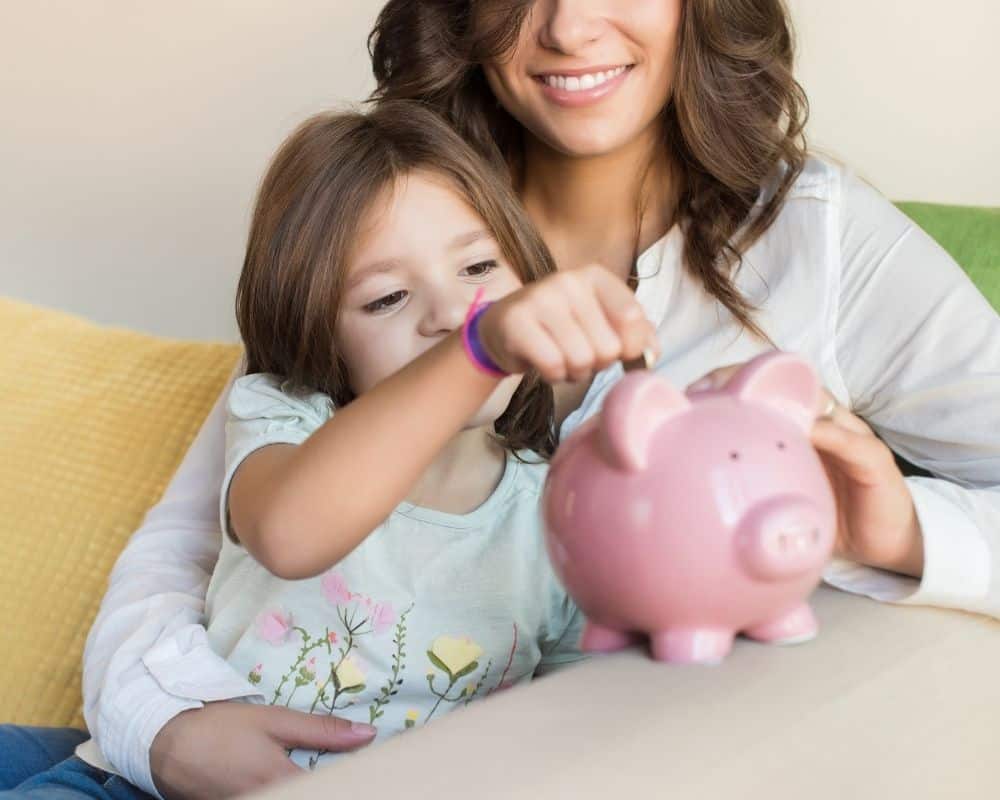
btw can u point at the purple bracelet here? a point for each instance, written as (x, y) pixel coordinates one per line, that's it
(470, 339)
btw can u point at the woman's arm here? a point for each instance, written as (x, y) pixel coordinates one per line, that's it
(918, 347)
(147, 658)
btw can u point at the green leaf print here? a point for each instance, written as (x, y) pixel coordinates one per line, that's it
(437, 662)
(390, 688)
(466, 670)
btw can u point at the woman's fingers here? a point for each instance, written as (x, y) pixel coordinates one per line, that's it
(296, 729)
(854, 450)
(715, 379)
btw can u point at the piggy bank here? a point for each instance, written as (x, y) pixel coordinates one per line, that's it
(690, 518)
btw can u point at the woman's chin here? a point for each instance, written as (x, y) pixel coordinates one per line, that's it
(588, 139)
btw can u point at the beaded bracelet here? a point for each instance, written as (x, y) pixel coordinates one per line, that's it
(470, 339)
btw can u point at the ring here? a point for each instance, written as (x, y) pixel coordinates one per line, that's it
(831, 407)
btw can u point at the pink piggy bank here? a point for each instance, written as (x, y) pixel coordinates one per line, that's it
(693, 517)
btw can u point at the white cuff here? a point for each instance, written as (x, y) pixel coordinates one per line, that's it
(956, 561)
(185, 666)
(132, 756)
(183, 673)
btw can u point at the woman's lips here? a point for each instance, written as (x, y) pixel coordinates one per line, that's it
(582, 87)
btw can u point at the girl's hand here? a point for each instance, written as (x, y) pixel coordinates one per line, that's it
(229, 748)
(567, 326)
(877, 522)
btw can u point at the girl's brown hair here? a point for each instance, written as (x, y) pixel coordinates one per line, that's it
(315, 194)
(733, 125)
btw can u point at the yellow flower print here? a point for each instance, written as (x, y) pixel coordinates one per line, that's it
(348, 674)
(454, 653)
(412, 714)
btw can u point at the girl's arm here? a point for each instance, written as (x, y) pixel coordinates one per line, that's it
(300, 509)
(919, 350)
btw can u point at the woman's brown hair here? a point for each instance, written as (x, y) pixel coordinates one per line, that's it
(733, 125)
(315, 194)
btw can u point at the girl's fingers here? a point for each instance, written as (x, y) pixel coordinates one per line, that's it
(537, 350)
(604, 341)
(619, 303)
(556, 316)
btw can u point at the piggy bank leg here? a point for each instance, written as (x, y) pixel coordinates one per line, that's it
(599, 639)
(691, 645)
(797, 625)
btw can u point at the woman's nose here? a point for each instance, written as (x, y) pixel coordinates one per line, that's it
(568, 25)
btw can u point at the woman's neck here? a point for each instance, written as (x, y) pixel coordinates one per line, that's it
(588, 209)
(463, 476)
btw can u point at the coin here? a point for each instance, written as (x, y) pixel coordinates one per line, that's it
(646, 361)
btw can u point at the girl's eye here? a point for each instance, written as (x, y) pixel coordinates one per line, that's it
(480, 269)
(385, 303)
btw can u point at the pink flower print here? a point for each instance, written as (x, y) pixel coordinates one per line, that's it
(273, 625)
(331, 637)
(382, 617)
(335, 589)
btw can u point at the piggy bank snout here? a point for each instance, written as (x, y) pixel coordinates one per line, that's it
(784, 537)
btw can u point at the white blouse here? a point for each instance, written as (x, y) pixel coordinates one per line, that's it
(894, 327)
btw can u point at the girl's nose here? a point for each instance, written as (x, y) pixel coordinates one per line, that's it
(445, 314)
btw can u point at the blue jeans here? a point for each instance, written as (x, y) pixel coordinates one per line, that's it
(38, 764)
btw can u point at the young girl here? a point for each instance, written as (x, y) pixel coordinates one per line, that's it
(384, 558)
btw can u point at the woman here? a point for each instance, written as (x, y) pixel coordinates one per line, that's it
(661, 139)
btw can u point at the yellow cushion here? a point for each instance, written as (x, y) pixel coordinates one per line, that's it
(93, 423)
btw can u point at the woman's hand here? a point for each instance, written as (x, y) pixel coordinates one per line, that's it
(877, 522)
(228, 748)
(567, 326)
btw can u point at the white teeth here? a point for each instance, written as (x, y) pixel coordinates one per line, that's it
(580, 83)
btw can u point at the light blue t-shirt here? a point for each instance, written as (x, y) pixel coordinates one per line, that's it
(430, 612)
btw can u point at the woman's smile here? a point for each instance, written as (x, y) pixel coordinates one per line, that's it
(581, 87)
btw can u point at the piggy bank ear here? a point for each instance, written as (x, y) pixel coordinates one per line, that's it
(639, 404)
(783, 381)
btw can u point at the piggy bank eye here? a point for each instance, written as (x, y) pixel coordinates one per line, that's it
(781, 445)
(734, 456)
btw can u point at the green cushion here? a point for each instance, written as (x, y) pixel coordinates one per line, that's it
(970, 235)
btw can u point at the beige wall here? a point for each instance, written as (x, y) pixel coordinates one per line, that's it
(133, 134)
(907, 92)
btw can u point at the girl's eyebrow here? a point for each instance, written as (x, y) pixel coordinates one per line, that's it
(375, 268)
(465, 239)
(389, 264)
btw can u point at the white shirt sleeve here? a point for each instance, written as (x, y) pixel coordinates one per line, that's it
(918, 347)
(147, 657)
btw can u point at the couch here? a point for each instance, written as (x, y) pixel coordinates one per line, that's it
(888, 701)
